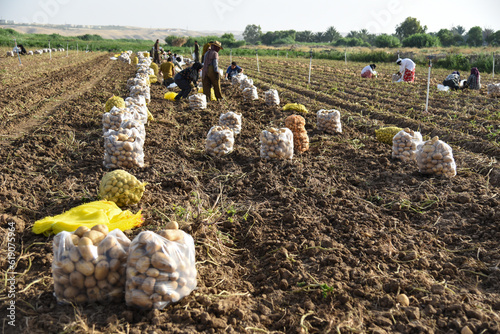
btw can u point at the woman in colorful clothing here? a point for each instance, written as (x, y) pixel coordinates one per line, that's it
(406, 69)
(184, 78)
(474, 80)
(369, 71)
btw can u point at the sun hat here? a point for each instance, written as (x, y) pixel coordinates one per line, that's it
(217, 43)
(398, 61)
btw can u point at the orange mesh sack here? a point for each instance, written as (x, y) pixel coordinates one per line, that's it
(296, 124)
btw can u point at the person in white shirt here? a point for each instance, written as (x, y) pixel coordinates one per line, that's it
(406, 69)
(369, 71)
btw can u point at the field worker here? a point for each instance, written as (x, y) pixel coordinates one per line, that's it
(474, 80)
(177, 62)
(232, 70)
(210, 75)
(22, 50)
(452, 80)
(406, 69)
(196, 51)
(156, 52)
(369, 71)
(205, 50)
(184, 78)
(167, 69)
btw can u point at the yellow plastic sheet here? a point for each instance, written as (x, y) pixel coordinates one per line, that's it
(212, 93)
(170, 96)
(296, 107)
(89, 214)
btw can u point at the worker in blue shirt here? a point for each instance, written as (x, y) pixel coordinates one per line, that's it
(232, 70)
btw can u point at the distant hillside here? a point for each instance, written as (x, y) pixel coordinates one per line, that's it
(113, 32)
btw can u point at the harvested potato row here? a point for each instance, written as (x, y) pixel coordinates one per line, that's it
(160, 269)
(198, 101)
(220, 141)
(404, 145)
(123, 148)
(90, 265)
(329, 121)
(272, 98)
(276, 144)
(436, 157)
(232, 120)
(296, 124)
(250, 93)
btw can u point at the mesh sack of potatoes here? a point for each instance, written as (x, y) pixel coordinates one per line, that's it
(121, 187)
(139, 114)
(329, 121)
(136, 81)
(236, 79)
(250, 93)
(90, 265)
(296, 124)
(137, 125)
(494, 89)
(245, 83)
(436, 157)
(272, 98)
(125, 58)
(160, 269)
(141, 90)
(385, 135)
(197, 101)
(276, 144)
(220, 141)
(113, 119)
(114, 101)
(139, 102)
(232, 120)
(154, 66)
(123, 148)
(404, 145)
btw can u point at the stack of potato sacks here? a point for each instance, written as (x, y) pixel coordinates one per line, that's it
(124, 121)
(296, 124)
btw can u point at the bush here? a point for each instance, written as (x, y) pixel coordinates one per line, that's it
(387, 41)
(421, 41)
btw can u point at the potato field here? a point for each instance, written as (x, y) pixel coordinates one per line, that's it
(340, 239)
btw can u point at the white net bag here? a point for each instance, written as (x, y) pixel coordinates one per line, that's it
(113, 119)
(436, 157)
(197, 101)
(123, 148)
(272, 98)
(232, 120)
(250, 93)
(404, 145)
(276, 144)
(220, 141)
(329, 121)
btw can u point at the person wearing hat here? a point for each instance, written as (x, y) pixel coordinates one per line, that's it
(369, 71)
(210, 75)
(406, 70)
(184, 78)
(205, 49)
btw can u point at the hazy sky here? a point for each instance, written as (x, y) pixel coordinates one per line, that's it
(378, 16)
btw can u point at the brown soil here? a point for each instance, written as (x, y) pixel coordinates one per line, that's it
(322, 244)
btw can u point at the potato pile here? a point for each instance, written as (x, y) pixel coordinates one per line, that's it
(404, 145)
(272, 98)
(123, 148)
(90, 265)
(160, 269)
(198, 101)
(114, 101)
(276, 144)
(296, 124)
(246, 83)
(329, 121)
(250, 93)
(220, 141)
(113, 119)
(232, 120)
(436, 157)
(385, 135)
(121, 187)
(494, 89)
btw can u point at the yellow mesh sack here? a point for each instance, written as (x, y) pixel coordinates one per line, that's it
(170, 96)
(385, 135)
(121, 187)
(296, 106)
(89, 214)
(114, 101)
